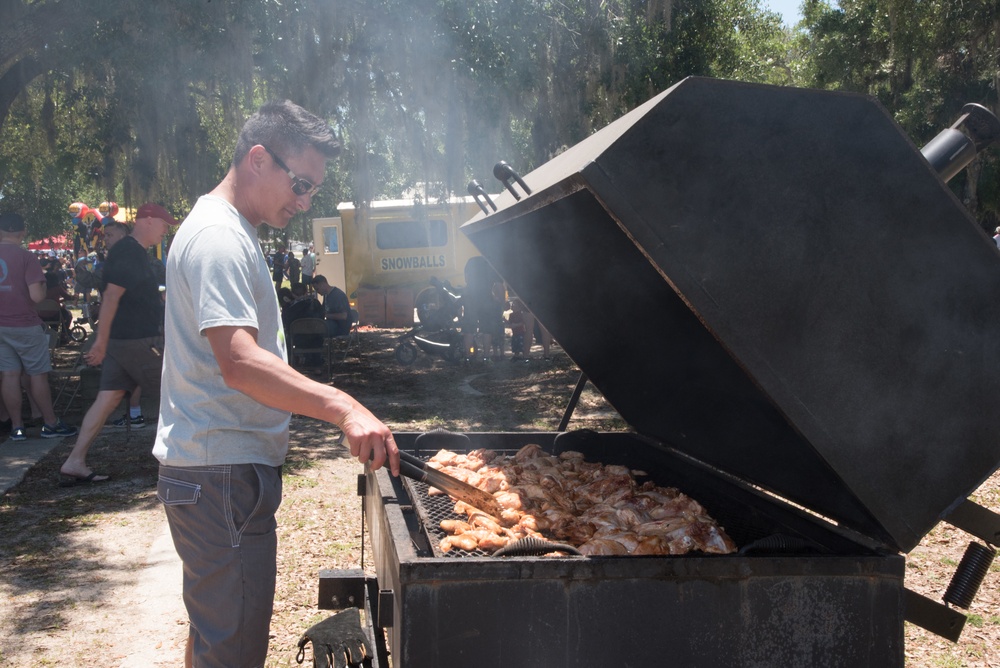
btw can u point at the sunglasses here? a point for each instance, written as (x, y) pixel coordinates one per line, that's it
(300, 186)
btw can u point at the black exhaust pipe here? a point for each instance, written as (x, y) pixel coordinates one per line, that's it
(952, 150)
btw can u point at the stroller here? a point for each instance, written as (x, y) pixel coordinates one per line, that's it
(438, 310)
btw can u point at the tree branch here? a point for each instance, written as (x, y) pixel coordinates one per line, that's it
(16, 80)
(36, 27)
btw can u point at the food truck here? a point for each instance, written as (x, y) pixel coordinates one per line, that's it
(383, 253)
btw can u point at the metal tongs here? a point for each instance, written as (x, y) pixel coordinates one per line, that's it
(415, 468)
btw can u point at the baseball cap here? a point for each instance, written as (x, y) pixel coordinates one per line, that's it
(11, 222)
(153, 210)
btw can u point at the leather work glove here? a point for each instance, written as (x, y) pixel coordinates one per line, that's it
(337, 641)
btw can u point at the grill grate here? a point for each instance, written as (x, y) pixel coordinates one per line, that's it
(430, 511)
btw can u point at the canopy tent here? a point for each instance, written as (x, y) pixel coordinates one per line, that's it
(62, 241)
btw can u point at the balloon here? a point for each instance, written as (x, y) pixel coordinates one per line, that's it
(76, 207)
(108, 208)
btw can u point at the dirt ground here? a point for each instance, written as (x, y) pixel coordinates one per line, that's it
(89, 577)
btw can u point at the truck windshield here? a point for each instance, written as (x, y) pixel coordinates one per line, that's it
(404, 234)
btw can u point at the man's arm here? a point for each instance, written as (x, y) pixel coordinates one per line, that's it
(37, 291)
(339, 308)
(265, 378)
(109, 307)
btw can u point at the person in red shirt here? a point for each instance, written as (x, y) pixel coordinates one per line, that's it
(24, 339)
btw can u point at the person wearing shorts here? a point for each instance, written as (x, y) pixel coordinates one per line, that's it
(129, 342)
(308, 268)
(482, 307)
(24, 339)
(228, 391)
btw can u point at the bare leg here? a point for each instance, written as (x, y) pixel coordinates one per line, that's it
(10, 388)
(529, 332)
(133, 401)
(4, 415)
(546, 342)
(93, 421)
(36, 410)
(42, 394)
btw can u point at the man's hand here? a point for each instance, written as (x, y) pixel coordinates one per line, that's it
(370, 440)
(96, 354)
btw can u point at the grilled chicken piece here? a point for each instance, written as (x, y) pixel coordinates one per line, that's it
(444, 458)
(532, 523)
(599, 489)
(491, 542)
(602, 547)
(484, 521)
(466, 476)
(510, 517)
(651, 545)
(529, 451)
(455, 526)
(626, 538)
(509, 500)
(492, 481)
(463, 541)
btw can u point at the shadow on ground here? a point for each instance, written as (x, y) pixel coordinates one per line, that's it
(46, 560)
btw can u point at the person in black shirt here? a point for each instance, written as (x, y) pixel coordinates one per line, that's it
(336, 305)
(129, 341)
(293, 268)
(278, 268)
(304, 305)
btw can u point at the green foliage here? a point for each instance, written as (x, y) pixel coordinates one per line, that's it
(922, 60)
(137, 100)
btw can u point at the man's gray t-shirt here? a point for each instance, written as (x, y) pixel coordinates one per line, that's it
(308, 264)
(216, 277)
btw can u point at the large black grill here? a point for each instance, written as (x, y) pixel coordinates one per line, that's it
(792, 312)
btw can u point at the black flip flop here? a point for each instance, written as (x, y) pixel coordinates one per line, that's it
(72, 480)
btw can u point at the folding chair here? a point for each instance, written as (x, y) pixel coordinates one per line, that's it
(307, 336)
(67, 380)
(351, 338)
(48, 310)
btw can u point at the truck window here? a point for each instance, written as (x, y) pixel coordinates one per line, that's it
(401, 234)
(330, 244)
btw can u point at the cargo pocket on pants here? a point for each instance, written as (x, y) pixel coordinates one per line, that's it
(173, 492)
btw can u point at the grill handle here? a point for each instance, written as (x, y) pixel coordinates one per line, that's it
(533, 547)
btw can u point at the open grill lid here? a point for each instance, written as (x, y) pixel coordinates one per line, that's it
(774, 281)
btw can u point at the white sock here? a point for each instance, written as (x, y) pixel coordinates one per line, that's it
(135, 411)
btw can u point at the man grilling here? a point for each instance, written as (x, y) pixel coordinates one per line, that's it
(228, 391)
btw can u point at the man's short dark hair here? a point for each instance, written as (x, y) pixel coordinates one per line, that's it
(319, 278)
(115, 225)
(287, 129)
